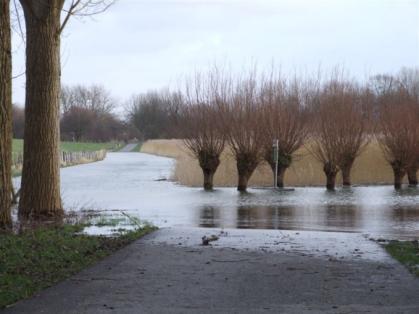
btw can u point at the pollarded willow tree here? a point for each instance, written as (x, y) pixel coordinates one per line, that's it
(355, 127)
(339, 128)
(285, 120)
(398, 130)
(409, 81)
(40, 187)
(243, 124)
(324, 139)
(200, 123)
(5, 115)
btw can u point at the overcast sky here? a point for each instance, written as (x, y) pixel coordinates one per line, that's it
(139, 45)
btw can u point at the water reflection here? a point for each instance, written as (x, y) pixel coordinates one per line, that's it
(328, 217)
(209, 217)
(128, 182)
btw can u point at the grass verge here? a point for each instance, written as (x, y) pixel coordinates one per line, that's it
(406, 252)
(74, 146)
(36, 259)
(137, 148)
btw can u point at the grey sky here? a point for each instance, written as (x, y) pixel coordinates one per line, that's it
(140, 45)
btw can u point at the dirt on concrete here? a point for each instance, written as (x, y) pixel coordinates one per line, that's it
(243, 271)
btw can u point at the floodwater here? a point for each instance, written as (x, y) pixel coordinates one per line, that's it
(137, 184)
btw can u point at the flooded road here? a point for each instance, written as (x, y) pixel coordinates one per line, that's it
(135, 183)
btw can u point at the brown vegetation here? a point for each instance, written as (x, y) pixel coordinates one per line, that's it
(398, 127)
(199, 123)
(285, 120)
(242, 120)
(339, 119)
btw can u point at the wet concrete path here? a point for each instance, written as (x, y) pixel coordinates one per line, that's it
(245, 271)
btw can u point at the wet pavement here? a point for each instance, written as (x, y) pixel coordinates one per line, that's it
(138, 184)
(245, 271)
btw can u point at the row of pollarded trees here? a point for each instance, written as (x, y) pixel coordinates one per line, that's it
(334, 118)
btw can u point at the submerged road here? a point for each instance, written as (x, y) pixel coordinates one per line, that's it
(262, 262)
(245, 271)
(140, 185)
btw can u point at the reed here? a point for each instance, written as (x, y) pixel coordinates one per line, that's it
(370, 168)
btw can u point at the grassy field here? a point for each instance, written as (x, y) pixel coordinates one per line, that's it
(369, 168)
(36, 259)
(74, 146)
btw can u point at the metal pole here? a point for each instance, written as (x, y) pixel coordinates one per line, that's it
(276, 160)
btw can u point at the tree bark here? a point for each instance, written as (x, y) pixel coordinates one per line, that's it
(412, 176)
(346, 175)
(209, 163)
(5, 116)
(208, 180)
(280, 173)
(284, 161)
(330, 171)
(246, 165)
(40, 187)
(399, 174)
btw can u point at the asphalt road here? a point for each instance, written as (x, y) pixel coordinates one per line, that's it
(245, 271)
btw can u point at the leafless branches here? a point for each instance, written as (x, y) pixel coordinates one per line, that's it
(284, 119)
(200, 121)
(398, 132)
(340, 118)
(242, 119)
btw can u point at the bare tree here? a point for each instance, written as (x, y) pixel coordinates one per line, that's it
(285, 120)
(324, 141)
(355, 128)
(95, 98)
(200, 126)
(151, 113)
(5, 116)
(40, 187)
(340, 121)
(242, 121)
(398, 131)
(409, 81)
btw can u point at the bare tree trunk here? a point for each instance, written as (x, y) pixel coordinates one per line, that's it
(283, 164)
(5, 116)
(208, 180)
(412, 176)
(346, 174)
(246, 165)
(399, 174)
(331, 171)
(209, 164)
(280, 174)
(40, 190)
(243, 181)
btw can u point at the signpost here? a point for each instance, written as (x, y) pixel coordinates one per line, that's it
(275, 156)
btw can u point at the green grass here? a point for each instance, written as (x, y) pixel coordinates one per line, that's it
(74, 146)
(36, 259)
(406, 252)
(137, 148)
